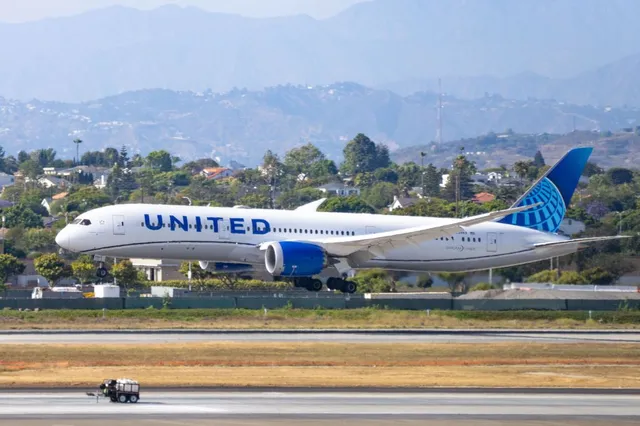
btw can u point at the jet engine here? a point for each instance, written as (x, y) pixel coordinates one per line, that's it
(294, 259)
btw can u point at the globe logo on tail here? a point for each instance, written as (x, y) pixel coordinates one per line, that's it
(547, 216)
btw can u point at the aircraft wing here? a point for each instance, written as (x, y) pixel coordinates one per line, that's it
(344, 246)
(578, 241)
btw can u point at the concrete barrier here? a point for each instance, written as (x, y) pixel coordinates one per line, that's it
(335, 302)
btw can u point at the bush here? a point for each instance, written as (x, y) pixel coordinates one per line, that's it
(482, 287)
(217, 284)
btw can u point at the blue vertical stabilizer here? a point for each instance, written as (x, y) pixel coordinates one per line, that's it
(554, 190)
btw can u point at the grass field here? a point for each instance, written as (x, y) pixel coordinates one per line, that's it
(313, 319)
(325, 364)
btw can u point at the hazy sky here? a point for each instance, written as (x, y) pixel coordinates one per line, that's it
(28, 10)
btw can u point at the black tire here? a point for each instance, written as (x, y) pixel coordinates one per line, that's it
(102, 272)
(123, 399)
(133, 399)
(314, 285)
(349, 287)
(333, 283)
(113, 399)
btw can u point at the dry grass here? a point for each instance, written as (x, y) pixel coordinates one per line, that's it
(311, 319)
(325, 364)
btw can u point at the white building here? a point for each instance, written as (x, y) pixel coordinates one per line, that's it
(339, 189)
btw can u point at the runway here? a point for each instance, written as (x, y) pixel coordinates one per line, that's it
(198, 408)
(406, 336)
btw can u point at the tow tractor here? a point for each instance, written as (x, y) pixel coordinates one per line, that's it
(119, 390)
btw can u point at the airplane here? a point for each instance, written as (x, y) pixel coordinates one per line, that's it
(313, 249)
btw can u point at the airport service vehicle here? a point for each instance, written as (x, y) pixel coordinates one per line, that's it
(313, 248)
(121, 390)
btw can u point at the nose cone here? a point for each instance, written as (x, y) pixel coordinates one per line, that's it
(62, 239)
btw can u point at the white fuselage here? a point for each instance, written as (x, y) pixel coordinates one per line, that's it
(233, 234)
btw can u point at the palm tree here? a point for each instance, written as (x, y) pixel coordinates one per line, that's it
(77, 142)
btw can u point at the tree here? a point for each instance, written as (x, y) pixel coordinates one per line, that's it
(120, 182)
(619, 175)
(362, 155)
(459, 186)
(432, 181)
(197, 273)
(50, 266)
(538, 159)
(351, 204)
(380, 195)
(521, 168)
(160, 160)
(125, 273)
(301, 160)
(591, 169)
(123, 157)
(83, 269)
(21, 215)
(31, 169)
(9, 266)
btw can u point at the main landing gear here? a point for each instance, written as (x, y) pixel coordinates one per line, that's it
(315, 285)
(102, 272)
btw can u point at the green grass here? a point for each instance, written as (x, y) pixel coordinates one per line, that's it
(313, 318)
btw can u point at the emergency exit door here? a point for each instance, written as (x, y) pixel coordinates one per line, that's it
(118, 225)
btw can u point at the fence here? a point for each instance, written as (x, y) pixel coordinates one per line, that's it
(336, 302)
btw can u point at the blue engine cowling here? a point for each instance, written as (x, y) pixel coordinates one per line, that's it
(222, 268)
(294, 259)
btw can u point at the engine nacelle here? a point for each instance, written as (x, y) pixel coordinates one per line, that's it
(222, 268)
(294, 259)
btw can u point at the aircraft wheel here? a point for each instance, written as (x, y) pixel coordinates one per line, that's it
(333, 283)
(102, 272)
(314, 285)
(349, 287)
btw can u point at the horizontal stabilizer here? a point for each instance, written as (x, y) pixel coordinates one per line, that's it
(580, 241)
(312, 206)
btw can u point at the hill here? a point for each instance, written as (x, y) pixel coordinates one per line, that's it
(109, 51)
(620, 149)
(617, 83)
(231, 124)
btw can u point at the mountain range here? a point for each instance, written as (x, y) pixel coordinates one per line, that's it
(241, 125)
(519, 49)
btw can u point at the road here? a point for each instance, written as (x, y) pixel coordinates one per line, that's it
(199, 408)
(424, 336)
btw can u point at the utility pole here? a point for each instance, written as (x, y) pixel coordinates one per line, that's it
(422, 155)
(439, 115)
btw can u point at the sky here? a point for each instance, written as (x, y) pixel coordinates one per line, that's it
(30, 10)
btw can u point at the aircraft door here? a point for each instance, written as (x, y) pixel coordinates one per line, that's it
(492, 242)
(118, 225)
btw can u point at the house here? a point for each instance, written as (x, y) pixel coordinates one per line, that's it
(339, 189)
(479, 179)
(6, 180)
(53, 182)
(483, 197)
(217, 173)
(401, 203)
(46, 203)
(571, 227)
(495, 177)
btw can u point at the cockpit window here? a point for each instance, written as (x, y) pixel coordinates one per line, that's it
(85, 222)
